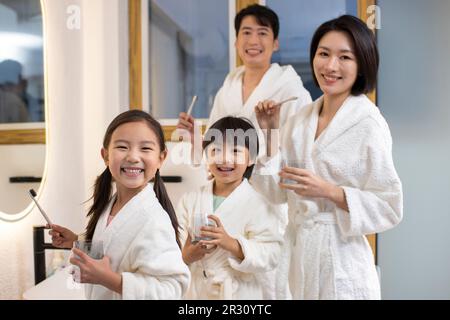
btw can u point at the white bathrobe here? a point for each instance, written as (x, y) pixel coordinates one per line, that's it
(140, 242)
(331, 257)
(279, 83)
(246, 216)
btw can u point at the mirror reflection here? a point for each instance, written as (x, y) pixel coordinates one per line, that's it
(21, 102)
(21, 62)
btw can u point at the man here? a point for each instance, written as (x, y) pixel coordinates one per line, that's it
(257, 29)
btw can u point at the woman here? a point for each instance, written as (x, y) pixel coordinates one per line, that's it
(345, 184)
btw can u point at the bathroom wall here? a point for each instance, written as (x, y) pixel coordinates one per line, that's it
(413, 95)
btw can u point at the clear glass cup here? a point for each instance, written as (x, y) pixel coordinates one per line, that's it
(292, 164)
(200, 219)
(93, 249)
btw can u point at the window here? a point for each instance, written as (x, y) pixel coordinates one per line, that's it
(188, 55)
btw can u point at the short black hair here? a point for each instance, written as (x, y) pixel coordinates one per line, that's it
(264, 16)
(364, 44)
(243, 133)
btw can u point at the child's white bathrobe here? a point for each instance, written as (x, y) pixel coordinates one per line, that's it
(278, 83)
(247, 217)
(140, 242)
(331, 257)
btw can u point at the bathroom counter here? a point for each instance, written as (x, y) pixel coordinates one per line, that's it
(59, 286)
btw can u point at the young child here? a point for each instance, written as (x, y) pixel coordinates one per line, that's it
(245, 242)
(137, 224)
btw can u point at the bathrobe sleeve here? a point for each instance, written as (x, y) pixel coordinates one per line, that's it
(378, 205)
(262, 242)
(216, 111)
(159, 270)
(265, 179)
(183, 218)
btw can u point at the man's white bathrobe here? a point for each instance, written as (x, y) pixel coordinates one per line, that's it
(246, 216)
(140, 242)
(278, 83)
(331, 257)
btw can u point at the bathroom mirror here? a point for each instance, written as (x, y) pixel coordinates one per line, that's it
(22, 104)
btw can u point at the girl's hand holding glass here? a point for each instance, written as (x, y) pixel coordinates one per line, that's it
(195, 251)
(221, 238)
(95, 271)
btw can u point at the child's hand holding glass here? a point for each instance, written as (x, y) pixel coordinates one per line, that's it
(195, 251)
(221, 238)
(94, 267)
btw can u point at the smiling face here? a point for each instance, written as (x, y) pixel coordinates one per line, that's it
(255, 43)
(133, 156)
(227, 162)
(335, 64)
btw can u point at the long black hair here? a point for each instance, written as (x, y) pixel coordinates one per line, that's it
(103, 183)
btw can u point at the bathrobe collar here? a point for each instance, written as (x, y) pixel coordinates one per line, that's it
(274, 78)
(135, 211)
(353, 110)
(227, 207)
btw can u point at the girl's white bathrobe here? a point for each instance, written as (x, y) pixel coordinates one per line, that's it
(278, 83)
(140, 242)
(331, 257)
(246, 216)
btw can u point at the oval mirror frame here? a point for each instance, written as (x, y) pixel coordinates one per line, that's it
(30, 136)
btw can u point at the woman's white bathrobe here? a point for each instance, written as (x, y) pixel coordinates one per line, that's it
(140, 242)
(331, 257)
(278, 83)
(246, 216)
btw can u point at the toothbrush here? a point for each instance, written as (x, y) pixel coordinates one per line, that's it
(33, 195)
(191, 106)
(287, 100)
(194, 99)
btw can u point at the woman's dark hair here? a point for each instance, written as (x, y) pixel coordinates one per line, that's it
(237, 131)
(103, 183)
(364, 45)
(264, 16)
